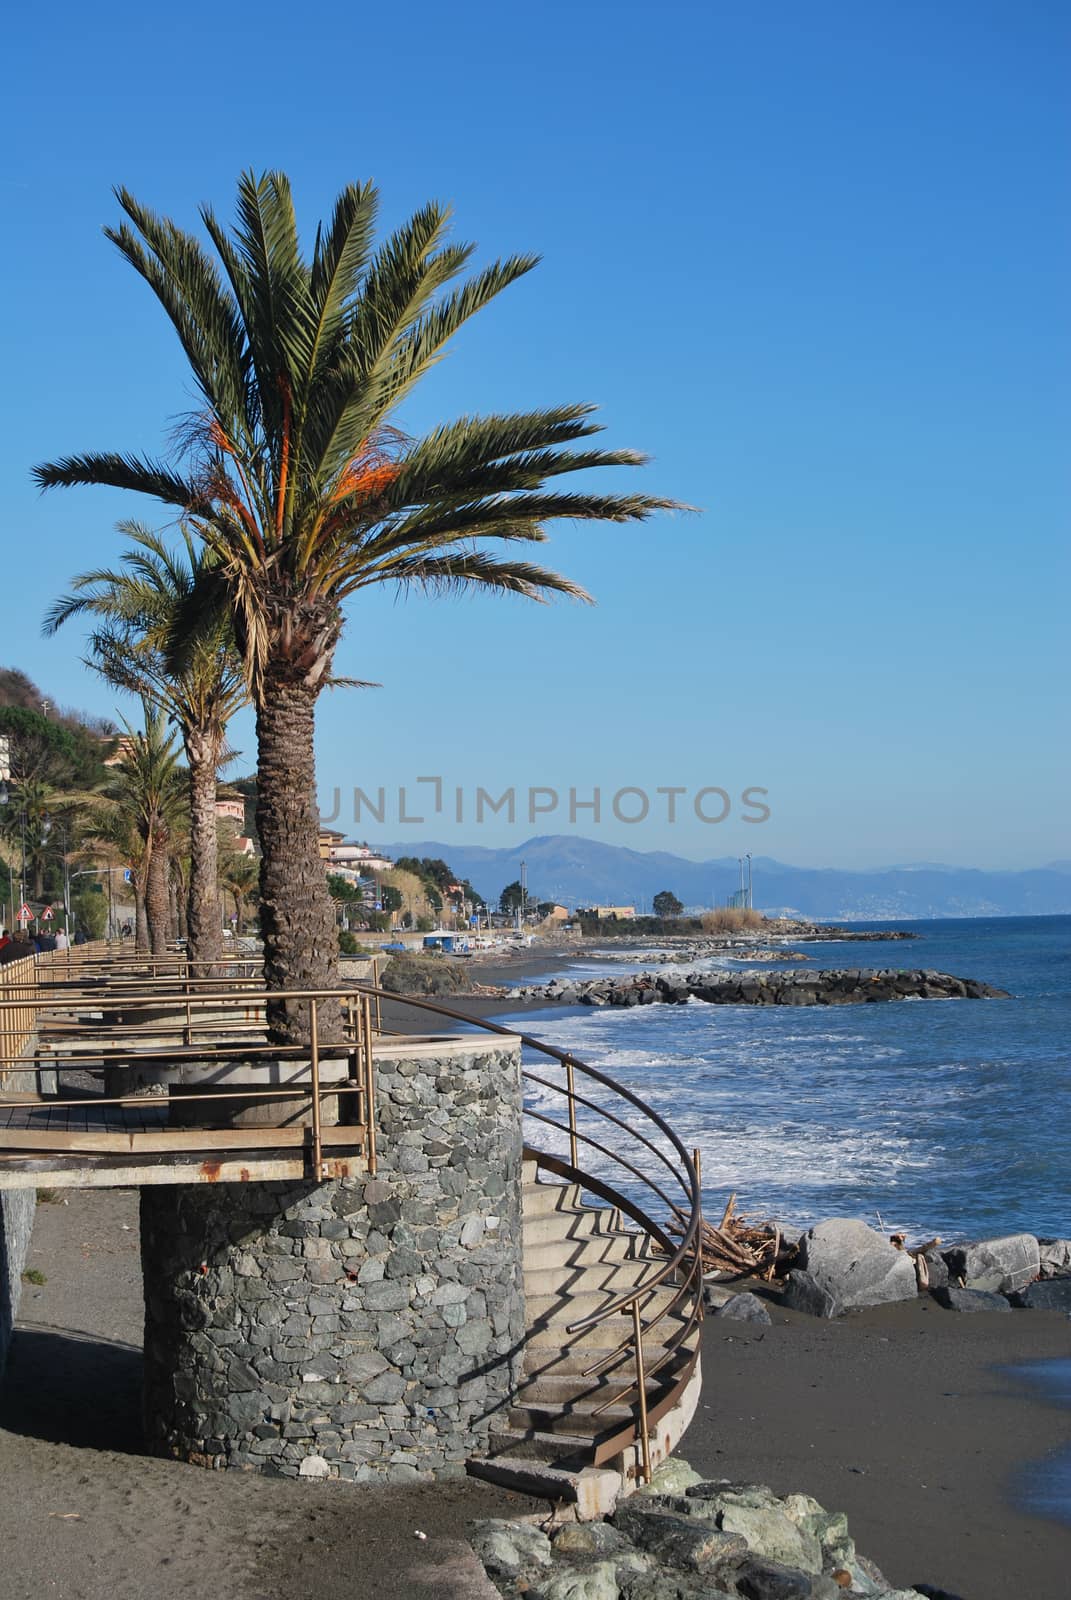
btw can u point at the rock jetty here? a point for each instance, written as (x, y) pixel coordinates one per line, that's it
(851, 986)
(682, 1537)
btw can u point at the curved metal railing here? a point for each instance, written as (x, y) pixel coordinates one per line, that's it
(680, 1275)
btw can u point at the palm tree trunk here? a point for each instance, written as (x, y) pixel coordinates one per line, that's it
(157, 907)
(205, 943)
(142, 942)
(296, 915)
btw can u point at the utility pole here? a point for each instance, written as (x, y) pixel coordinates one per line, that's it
(750, 899)
(524, 896)
(22, 869)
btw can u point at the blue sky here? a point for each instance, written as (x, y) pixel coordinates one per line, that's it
(813, 259)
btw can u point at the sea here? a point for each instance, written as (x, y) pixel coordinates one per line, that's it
(933, 1117)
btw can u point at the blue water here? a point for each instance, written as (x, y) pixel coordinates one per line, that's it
(940, 1117)
(1045, 1486)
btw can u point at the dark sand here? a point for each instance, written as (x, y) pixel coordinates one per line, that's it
(901, 1417)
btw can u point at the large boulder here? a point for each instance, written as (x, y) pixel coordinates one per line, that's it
(955, 1299)
(744, 1308)
(1055, 1255)
(1051, 1294)
(999, 1265)
(855, 1265)
(804, 1293)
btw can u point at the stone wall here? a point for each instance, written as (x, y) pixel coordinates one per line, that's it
(368, 1328)
(17, 1208)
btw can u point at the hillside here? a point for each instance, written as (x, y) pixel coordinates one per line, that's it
(580, 871)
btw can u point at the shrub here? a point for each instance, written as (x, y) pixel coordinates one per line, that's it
(731, 919)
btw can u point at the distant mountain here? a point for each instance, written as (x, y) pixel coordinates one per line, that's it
(579, 871)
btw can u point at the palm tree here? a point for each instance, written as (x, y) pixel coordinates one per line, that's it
(26, 824)
(238, 875)
(144, 803)
(304, 490)
(141, 603)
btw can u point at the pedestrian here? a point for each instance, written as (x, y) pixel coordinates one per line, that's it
(62, 941)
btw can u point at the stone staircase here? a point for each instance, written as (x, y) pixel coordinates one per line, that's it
(573, 1434)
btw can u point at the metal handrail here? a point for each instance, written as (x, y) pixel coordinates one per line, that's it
(683, 1265)
(688, 1179)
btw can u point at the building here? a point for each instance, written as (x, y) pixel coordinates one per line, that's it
(611, 913)
(344, 856)
(554, 913)
(124, 746)
(231, 809)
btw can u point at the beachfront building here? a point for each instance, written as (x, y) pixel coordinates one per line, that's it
(609, 913)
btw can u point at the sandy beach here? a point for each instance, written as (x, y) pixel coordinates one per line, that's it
(904, 1417)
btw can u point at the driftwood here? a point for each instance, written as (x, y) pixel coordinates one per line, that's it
(739, 1248)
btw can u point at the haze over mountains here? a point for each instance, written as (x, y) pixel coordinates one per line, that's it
(577, 872)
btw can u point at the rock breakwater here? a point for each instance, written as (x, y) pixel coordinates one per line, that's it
(850, 986)
(683, 1538)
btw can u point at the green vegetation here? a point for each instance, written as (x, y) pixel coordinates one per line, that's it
(140, 609)
(425, 975)
(666, 904)
(512, 897)
(34, 1275)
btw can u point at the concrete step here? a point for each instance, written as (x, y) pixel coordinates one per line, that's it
(592, 1492)
(568, 1452)
(604, 1336)
(572, 1421)
(595, 1248)
(609, 1277)
(540, 1199)
(573, 1307)
(564, 1389)
(580, 1222)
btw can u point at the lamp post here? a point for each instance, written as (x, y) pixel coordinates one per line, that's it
(750, 898)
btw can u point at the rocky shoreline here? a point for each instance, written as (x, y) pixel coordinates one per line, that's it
(842, 987)
(843, 1265)
(681, 1538)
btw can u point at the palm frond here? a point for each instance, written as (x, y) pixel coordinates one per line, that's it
(111, 470)
(473, 569)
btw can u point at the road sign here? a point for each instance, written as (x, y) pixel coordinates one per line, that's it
(46, 915)
(128, 876)
(25, 914)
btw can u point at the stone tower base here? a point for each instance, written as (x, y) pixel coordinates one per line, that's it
(369, 1328)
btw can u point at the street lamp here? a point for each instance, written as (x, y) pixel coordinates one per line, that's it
(58, 822)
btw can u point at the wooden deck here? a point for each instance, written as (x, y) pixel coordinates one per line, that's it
(90, 1145)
